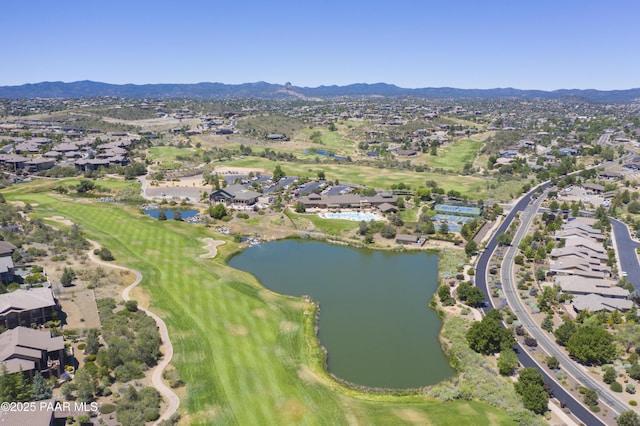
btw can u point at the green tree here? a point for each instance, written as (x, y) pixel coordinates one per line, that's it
(218, 211)
(162, 215)
(177, 215)
(388, 231)
(363, 227)
(590, 397)
(634, 371)
(67, 389)
(41, 390)
(609, 375)
(530, 386)
(488, 336)
(628, 418)
(68, 275)
(470, 248)
(92, 343)
(591, 344)
(299, 207)
(503, 239)
(564, 332)
(85, 186)
(628, 335)
(400, 203)
(131, 305)
(553, 363)
(278, 173)
(444, 228)
(105, 254)
(547, 324)
(321, 175)
(507, 362)
(85, 385)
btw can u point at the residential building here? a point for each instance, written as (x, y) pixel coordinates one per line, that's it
(27, 307)
(29, 350)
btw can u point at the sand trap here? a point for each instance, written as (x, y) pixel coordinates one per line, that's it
(60, 219)
(211, 245)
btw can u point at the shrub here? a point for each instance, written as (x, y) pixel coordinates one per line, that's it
(531, 342)
(633, 403)
(107, 408)
(609, 375)
(616, 387)
(630, 388)
(81, 346)
(553, 363)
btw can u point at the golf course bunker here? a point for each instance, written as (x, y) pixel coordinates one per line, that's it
(211, 247)
(375, 321)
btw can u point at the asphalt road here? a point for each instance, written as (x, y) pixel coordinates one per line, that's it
(626, 249)
(545, 340)
(578, 410)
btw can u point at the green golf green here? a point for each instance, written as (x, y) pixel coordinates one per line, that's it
(375, 320)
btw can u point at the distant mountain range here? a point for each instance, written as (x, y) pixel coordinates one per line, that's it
(262, 90)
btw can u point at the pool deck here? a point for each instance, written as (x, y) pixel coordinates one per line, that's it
(354, 215)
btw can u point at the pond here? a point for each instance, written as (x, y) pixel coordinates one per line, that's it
(186, 214)
(375, 320)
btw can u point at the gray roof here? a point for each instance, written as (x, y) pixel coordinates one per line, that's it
(6, 264)
(596, 303)
(583, 285)
(239, 192)
(6, 248)
(25, 343)
(36, 417)
(26, 300)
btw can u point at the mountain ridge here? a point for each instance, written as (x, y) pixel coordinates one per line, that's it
(264, 90)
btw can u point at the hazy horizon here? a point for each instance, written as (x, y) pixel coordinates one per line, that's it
(321, 85)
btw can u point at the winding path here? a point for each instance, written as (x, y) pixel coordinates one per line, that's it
(173, 402)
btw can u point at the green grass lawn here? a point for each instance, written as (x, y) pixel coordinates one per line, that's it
(242, 351)
(331, 141)
(454, 156)
(169, 153)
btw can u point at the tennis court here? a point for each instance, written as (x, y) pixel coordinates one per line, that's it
(448, 209)
(454, 223)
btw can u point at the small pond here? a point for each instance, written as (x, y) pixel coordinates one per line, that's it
(375, 320)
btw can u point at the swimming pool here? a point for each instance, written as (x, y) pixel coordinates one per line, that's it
(352, 216)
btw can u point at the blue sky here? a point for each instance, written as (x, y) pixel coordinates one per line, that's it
(539, 44)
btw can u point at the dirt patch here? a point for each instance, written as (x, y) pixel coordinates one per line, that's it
(80, 308)
(260, 313)
(141, 296)
(413, 416)
(292, 410)
(307, 375)
(60, 219)
(288, 326)
(211, 247)
(237, 330)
